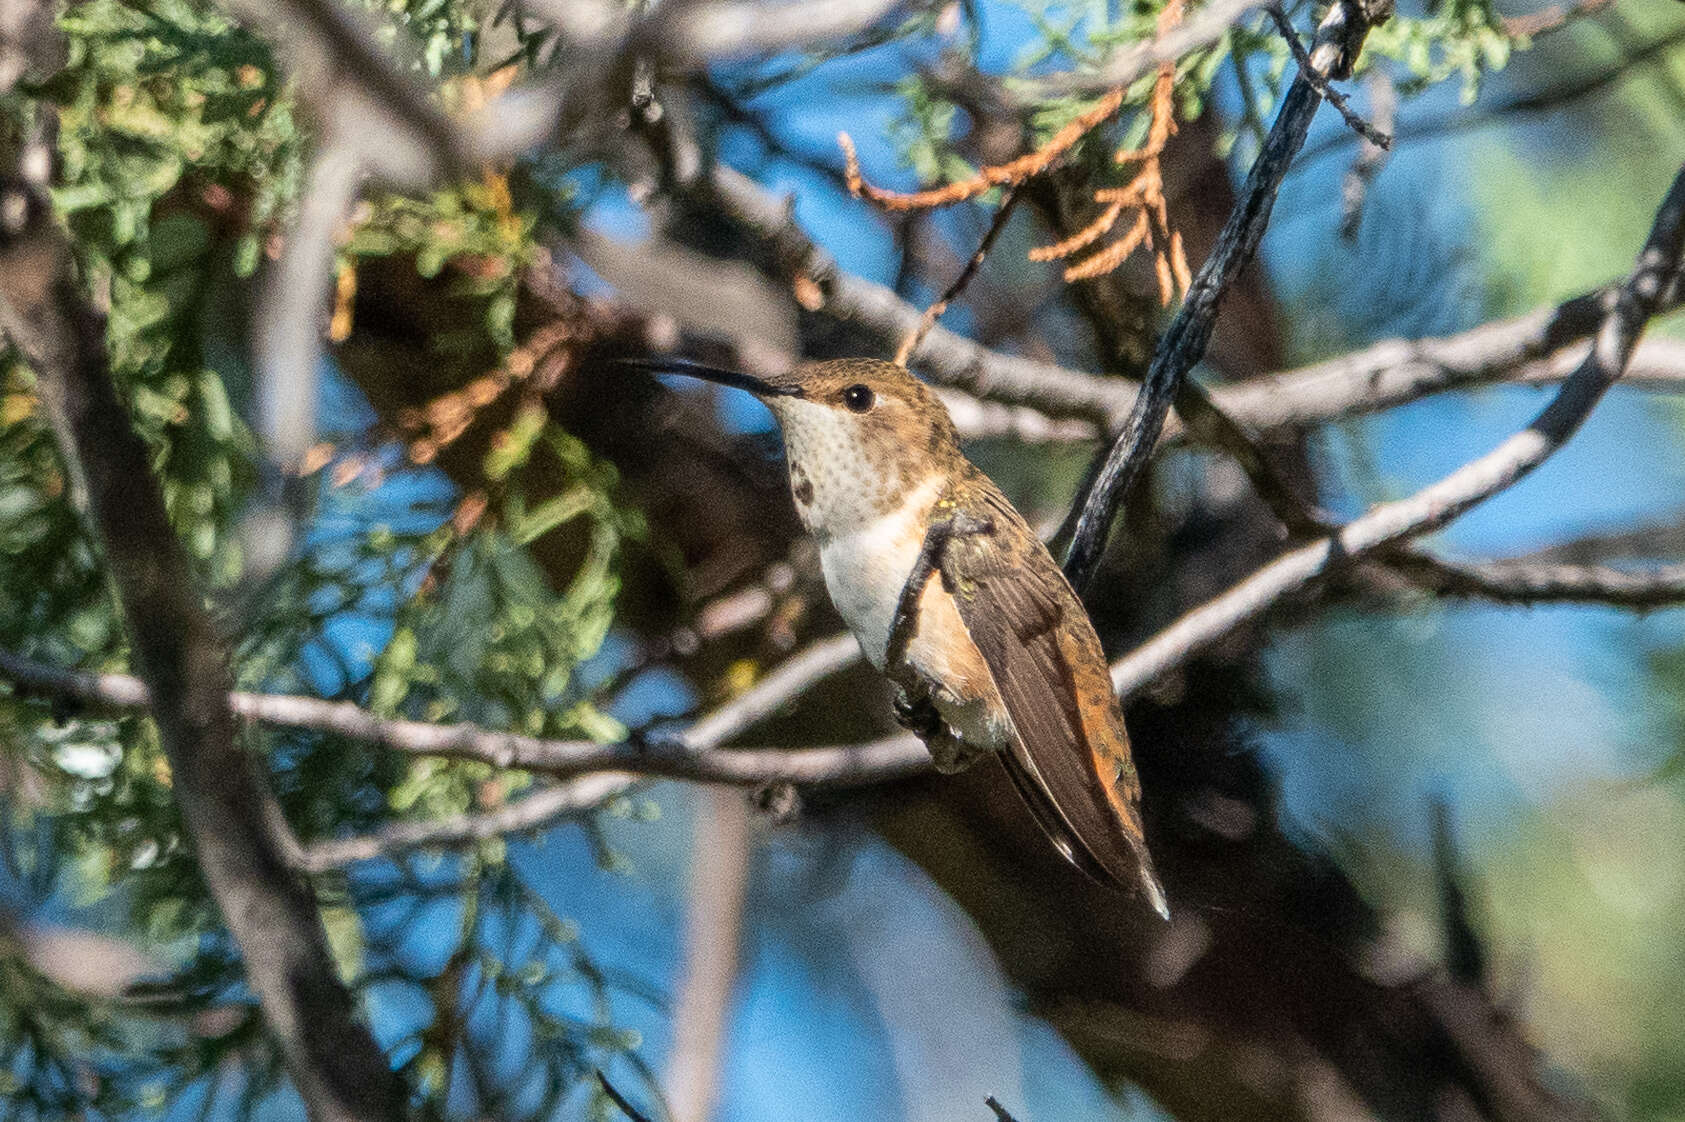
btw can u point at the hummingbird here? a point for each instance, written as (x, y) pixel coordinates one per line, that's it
(956, 600)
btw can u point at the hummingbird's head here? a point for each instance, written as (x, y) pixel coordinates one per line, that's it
(860, 434)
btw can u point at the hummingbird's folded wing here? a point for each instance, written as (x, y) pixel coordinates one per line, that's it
(1070, 754)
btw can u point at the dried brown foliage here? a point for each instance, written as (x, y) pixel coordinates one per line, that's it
(1143, 198)
(441, 421)
(1009, 174)
(1142, 201)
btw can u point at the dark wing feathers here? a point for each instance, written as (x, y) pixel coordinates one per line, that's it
(1011, 604)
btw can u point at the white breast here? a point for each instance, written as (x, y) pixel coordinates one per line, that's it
(866, 569)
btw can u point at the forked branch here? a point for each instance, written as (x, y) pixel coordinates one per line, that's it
(1338, 41)
(1652, 286)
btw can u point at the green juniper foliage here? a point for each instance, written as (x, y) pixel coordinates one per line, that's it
(1461, 39)
(181, 151)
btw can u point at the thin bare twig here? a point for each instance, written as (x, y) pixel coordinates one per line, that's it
(620, 1100)
(931, 314)
(1354, 188)
(1652, 286)
(529, 813)
(1466, 957)
(1338, 100)
(1535, 582)
(1212, 427)
(1599, 548)
(1338, 41)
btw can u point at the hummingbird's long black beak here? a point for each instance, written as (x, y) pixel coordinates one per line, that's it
(760, 387)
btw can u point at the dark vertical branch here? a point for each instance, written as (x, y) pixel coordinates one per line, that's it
(1338, 41)
(1465, 956)
(229, 815)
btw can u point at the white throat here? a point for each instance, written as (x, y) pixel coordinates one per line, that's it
(867, 565)
(837, 484)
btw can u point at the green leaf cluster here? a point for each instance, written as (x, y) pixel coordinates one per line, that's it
(182, 148)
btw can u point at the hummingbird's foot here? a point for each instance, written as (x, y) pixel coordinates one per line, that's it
(917, 714)
(949, 754)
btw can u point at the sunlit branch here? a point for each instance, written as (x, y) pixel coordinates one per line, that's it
(531, 812)
(1626, 310)
(1070, 402)
(689, 754)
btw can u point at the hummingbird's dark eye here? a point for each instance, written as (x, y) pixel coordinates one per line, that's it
(858, 398)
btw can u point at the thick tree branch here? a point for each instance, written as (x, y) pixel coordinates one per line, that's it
(228, 813)
(1397, 371)
(1626, 310)
(1382, 376)
(1523, 582)
(689, 754)
(1338, 40)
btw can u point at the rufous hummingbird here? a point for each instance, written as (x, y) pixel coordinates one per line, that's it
(995, 657)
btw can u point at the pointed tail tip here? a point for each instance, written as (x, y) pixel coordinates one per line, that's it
(1154, 892)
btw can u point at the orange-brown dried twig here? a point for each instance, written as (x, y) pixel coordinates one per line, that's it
(440, 422)
(1144, 196)
(1011, 173)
